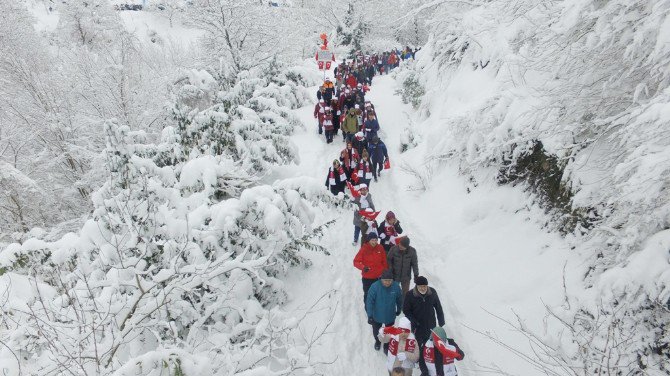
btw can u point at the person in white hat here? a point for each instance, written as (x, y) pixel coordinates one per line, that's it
(362, 202)
(403, 349)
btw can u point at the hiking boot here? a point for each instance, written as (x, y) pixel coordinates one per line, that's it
(378, 345)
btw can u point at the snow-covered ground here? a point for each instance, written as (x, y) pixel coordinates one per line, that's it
(483, 251)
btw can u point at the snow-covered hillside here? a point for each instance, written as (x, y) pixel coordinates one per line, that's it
(164, 209)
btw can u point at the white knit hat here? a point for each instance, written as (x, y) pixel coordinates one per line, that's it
(404, 323)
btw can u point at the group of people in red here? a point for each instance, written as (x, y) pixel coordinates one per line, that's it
(408, 323)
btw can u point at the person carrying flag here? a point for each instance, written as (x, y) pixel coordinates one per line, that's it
(403, 349)
(441, 362)
(363, 200)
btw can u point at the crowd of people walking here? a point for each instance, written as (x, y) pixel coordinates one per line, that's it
(408, 323)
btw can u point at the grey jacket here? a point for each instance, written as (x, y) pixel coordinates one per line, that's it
(403, 263)
(357, 202)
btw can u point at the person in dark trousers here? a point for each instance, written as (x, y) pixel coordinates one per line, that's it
(383, 304)
(389, 231)
(371, 261)
(336, 180)
(403, 262)
(421, 305)
(378, 155)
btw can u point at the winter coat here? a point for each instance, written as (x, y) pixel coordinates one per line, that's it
(434, 359)
(382, 302)
(336, 180)
(352, 81)
(360, 203)
(350, 124)
(364, 170)
(328, 122)
(373, 258)
(371, 129)
(319, 111)
(410, 347)
(388, 233)
(359, 145)
(378, 152)
(368, 227)
(403, 263)
(330, 91)
(349, 158)
(421, 309)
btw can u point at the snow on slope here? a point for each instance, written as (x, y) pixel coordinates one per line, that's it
(478, 250)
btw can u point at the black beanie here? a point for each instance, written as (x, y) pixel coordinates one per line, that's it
(404, 241)
(387, 274)
(421, 281)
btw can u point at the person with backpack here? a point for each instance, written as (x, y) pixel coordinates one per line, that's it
(440, 352)
(383, 304)
(421, 305)
(403, 262)
(361, 202)
(371, 261)
(403, 349)
(389, 231)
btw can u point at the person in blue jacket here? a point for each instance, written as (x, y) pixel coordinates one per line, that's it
(378, 154)
(371, 126)
(383, 304)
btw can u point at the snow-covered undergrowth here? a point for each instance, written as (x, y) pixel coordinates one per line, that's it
(572, 99)
(179, 268)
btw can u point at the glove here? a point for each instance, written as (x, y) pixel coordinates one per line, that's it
(371, 321)
(366, 269)
(401, 356)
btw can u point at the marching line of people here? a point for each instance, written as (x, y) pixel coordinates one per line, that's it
(385, 257)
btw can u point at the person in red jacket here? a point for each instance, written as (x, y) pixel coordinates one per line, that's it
(352, 81)
(371, 260)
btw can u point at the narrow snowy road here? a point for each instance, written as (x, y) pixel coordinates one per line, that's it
(477, 249)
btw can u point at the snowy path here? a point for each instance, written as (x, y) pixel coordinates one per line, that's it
(478, 250)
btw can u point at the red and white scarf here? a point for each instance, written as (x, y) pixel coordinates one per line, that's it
(351, 157)
(331, 175)
(364, 171)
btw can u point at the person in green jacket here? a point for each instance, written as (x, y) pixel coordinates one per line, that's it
(350, 124)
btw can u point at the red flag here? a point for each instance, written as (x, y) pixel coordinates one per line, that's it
(394, 331)
(369, 215)
(446, 349)
(387, 164)
(353, 190)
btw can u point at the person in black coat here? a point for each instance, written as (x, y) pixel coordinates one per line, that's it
(378, 154)
(421, 305)
(336, 179)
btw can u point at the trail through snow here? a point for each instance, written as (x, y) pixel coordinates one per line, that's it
(482, 250)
